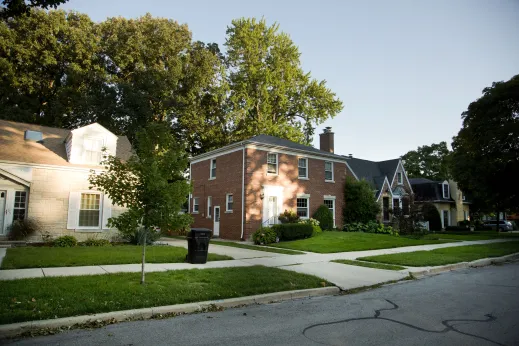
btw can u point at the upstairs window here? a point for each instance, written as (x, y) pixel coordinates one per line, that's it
(446, 192)
(212, 173)
(328, 171)
(93, 150)
(302, 165)
(399, 178)
(272, 163)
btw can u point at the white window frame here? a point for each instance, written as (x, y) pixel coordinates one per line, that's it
(209, 207)
(277, 163)
(211, 176)
(227, 210)
(100, 153)
(99, 226)
(400, 178)
(448, 190)
(305, 177)
(24, 208)
(331, 198)
(333, 177)
(462, 197)
(307, 197)
(196, 202)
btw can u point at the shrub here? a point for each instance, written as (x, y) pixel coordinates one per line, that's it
(292, 231)
(315, 225)
(137, 238)
(370, 227)
(22, 229)
(325, 217)
(96, 242)
(431, 214)
(359, 200)
(264, 236)
(288, 216)
(65, 241)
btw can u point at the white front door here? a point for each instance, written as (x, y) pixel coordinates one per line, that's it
(272, 211)
(216, 223)
(3, 194)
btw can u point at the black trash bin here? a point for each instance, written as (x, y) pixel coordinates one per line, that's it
(197, 245)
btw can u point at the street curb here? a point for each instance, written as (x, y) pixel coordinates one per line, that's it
(15, 329)
(462, 265)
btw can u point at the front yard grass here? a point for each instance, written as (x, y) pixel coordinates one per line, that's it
(328, 242)
(447, 255)
(254, 247)
(370, 265)
(42, 257)
(468, 236)
(55, 297)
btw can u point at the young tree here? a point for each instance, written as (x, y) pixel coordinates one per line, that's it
(485, 158)
(428, 161)
(360, 203)
(151, 184)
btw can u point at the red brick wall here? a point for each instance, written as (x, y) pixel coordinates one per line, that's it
(228, 180)
(256, 176)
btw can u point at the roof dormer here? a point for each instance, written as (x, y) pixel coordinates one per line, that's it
(84, 145)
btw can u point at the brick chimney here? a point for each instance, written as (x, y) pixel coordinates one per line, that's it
(326, 140)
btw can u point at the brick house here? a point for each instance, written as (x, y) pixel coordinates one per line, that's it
(239, 187)
(44, 176)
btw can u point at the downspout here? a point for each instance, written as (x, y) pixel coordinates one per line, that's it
(189, 196)
(242, 190)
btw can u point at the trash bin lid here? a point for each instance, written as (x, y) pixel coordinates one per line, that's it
(200, 232)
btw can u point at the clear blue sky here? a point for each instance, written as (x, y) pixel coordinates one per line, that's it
(405, 70)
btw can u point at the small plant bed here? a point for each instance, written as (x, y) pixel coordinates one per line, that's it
(44, 298)
(329, 242)
(42, 257)
(254, 247)
(370, 265)
(447, 255)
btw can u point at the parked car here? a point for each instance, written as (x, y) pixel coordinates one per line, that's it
(504, 225)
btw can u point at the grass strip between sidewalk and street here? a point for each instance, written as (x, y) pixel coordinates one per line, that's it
(44, 257)
(255, 247)
(370, 264)
(55, 297)
(448, 255)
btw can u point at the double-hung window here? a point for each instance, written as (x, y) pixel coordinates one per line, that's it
(93, 150)
(209, 206)
(196, 205)
(302, 207)
(20, 205)
(330, 203)
(446, 192)
(272, 163)
(328, 171)
(90, 210)
(302, 165)
(229, 202)
(212, 173)
(399, 178)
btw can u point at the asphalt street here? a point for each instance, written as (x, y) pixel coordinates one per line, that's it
(466, 307)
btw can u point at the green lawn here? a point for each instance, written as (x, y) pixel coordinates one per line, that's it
(54, 297)
(478, 235)
(370, 265)
(328, 242)
(447, 255)
(40, 257)
(254, 247)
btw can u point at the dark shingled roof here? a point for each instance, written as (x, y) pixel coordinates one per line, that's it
(50, 152)
(271, 140)
(428, 190)
(415, 181)
(374, 172)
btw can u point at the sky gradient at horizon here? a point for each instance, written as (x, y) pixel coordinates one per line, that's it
(405, 70)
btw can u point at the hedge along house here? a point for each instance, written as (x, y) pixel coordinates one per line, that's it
(389, 181)
(448, 199)
(244, 185)
(44, 176)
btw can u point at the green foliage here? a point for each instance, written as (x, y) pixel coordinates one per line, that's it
(485, 158)
(141, 234)
(22, 229)
(264, 236)
(325, 217)
(96, 242)
(315, 225)
(288, 216)
(370, 227)
(65, 241)
(360, 202)
(292, 231)
(428, 161)
(431, 214)
(17, 8)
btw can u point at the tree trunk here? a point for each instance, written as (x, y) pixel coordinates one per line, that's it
(143, 254)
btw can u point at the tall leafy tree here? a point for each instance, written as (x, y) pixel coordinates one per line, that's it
(151, 184)
(360, 204)
(269, 91)
(16, 8)
(46, 60)
(428, 161)
(485, 158)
